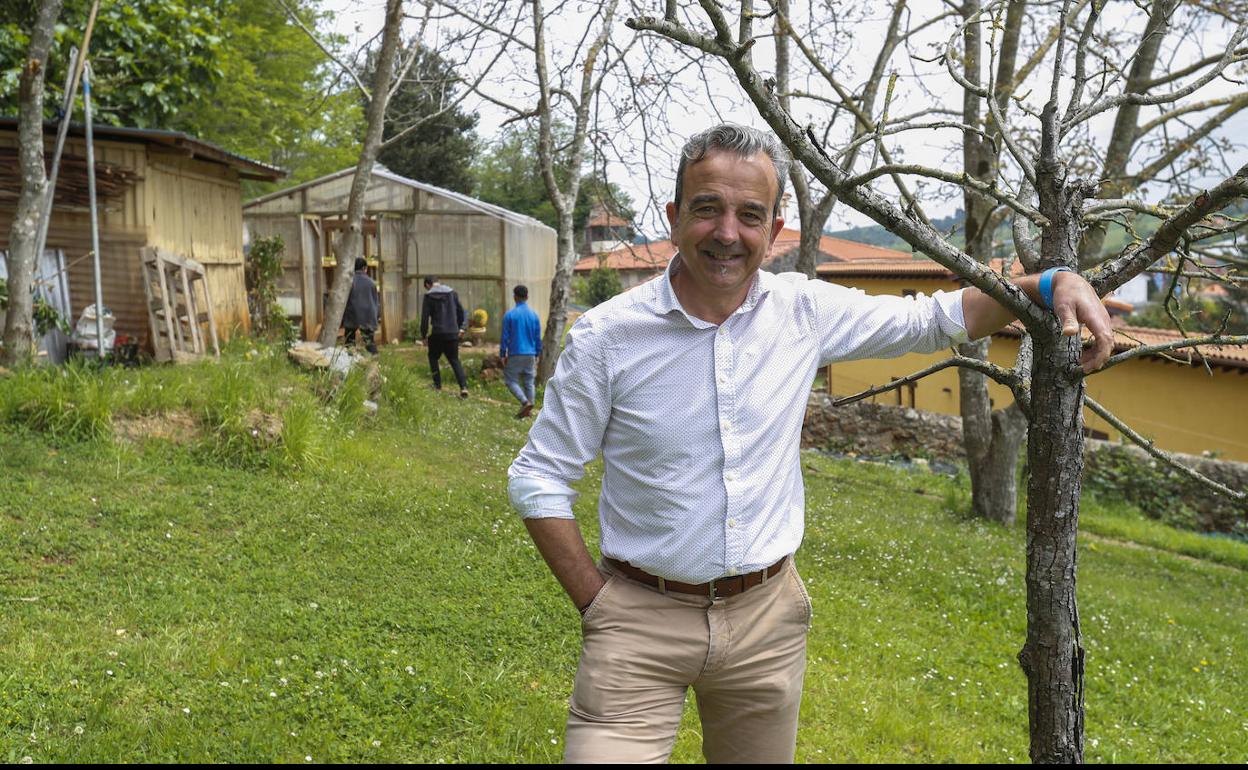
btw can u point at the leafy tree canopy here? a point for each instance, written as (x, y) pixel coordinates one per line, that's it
(438, 150)
(233, 72)
(148, 57)
(508, 175)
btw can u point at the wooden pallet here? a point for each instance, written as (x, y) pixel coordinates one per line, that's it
(179, 305)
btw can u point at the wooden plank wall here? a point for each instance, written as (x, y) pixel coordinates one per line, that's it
(195, 209)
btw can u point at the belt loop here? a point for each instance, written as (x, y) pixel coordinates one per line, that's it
(765, 576)
(662, 586)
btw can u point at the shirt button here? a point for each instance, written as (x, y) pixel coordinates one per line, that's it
(723, 330)
(730, 476)
(732, 523)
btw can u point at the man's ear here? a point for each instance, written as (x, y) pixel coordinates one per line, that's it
(672, 212)
(777, 224)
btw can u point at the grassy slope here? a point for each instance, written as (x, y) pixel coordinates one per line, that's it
(388, 605)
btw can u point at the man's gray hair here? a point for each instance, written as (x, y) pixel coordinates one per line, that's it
(742, 141)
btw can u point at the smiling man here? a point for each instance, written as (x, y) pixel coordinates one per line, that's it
(693, 387)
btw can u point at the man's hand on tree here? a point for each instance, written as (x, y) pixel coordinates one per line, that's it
(1075, 302)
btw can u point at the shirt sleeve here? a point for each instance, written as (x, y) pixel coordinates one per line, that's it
(852, 324)
(568, 431)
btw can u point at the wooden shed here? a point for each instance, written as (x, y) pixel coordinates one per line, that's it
(155, 188)
(411, 230)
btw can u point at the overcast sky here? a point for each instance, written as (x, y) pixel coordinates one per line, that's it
(720, 96)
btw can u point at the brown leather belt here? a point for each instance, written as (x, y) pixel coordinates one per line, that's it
(725, 586)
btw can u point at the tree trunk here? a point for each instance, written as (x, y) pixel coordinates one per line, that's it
(1053, 657)
(564, 200)
(560, 290)
(1124, 135)
(351, 244)
(24, 233)
(991, 439)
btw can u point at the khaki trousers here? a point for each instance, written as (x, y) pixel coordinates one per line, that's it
(744, 657)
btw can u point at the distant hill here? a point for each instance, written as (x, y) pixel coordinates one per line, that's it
(878, 236)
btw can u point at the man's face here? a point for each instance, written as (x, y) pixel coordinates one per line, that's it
(724, 225)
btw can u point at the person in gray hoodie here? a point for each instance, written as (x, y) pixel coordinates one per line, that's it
(363, 308)
(442, 323)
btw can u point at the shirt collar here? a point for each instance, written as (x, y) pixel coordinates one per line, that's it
(665, 299)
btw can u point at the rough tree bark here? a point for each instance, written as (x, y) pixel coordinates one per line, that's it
(1053, 656)
(23, 234)
(351, 244)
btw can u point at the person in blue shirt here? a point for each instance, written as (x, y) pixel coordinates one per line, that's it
(521, 345)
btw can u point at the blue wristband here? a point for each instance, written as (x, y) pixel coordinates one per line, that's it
(1046, 284)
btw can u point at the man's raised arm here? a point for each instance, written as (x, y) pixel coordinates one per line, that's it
(1074, 301)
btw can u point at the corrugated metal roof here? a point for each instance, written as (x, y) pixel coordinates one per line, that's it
(247, 168)
(384, 173)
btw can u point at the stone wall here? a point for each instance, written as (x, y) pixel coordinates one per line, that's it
(875, 429)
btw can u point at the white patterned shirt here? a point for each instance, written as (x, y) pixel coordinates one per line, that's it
(699, 425)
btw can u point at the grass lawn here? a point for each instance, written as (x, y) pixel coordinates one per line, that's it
(359, 589)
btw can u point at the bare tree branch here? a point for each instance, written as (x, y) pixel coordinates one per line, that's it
(1152, 350)
(1006, 377)
(349, 70)
(1115, 272)
(1140, 98)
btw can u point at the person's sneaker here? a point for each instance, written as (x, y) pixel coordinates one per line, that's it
(524, 411)
(463, 394)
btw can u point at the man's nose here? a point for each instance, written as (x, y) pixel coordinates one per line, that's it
(726, 230)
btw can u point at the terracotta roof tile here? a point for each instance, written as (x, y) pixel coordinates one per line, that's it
(658, 253)
(607, 220)
(1130, 337)
(920, 267)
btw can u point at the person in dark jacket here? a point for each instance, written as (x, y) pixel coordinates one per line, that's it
(442, 323)
(363, 308)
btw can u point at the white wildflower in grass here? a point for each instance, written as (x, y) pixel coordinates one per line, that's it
(224, 684)
(108, 671)
(320, 674)
(278, 661)
(272, 694)
(410, 670)
(121, 632)
(314, 606)
(185, 710)
(376, 744)
(308, 758)
(27, 761)
(34, 738)
(78, 729)
(282, 681)
(112, 653)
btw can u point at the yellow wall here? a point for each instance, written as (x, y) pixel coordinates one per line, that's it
(1181, 407)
